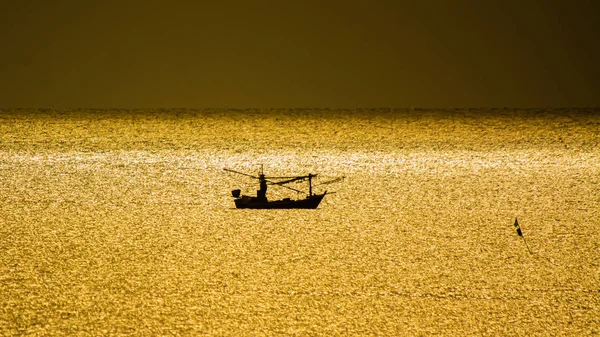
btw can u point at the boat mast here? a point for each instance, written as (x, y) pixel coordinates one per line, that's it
(261, 194)
(310, 184)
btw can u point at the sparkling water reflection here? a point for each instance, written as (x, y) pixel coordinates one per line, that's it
(124, 224)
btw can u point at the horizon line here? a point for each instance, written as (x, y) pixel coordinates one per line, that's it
(303, 108)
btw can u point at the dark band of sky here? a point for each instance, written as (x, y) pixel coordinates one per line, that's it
(339, 54)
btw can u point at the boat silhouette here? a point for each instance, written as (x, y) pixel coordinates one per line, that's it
(260, 201)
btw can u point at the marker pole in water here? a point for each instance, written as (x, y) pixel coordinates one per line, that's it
(521, 234)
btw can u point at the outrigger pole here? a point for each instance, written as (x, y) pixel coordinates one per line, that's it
(262, 176)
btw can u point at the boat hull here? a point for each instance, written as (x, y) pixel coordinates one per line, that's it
(311, 202)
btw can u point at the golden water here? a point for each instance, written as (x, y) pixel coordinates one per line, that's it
(121, 223)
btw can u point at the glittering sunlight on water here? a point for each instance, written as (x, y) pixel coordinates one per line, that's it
(115, 222)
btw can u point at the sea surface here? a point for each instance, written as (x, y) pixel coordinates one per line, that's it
(121, 222)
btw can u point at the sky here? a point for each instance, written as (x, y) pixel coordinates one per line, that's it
(292, 54)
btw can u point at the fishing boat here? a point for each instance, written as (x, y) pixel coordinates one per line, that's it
(260, 201)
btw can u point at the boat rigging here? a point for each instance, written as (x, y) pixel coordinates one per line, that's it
(260, 201)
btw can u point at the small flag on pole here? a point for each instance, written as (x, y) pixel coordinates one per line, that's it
(521, 234)
(518, 228)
